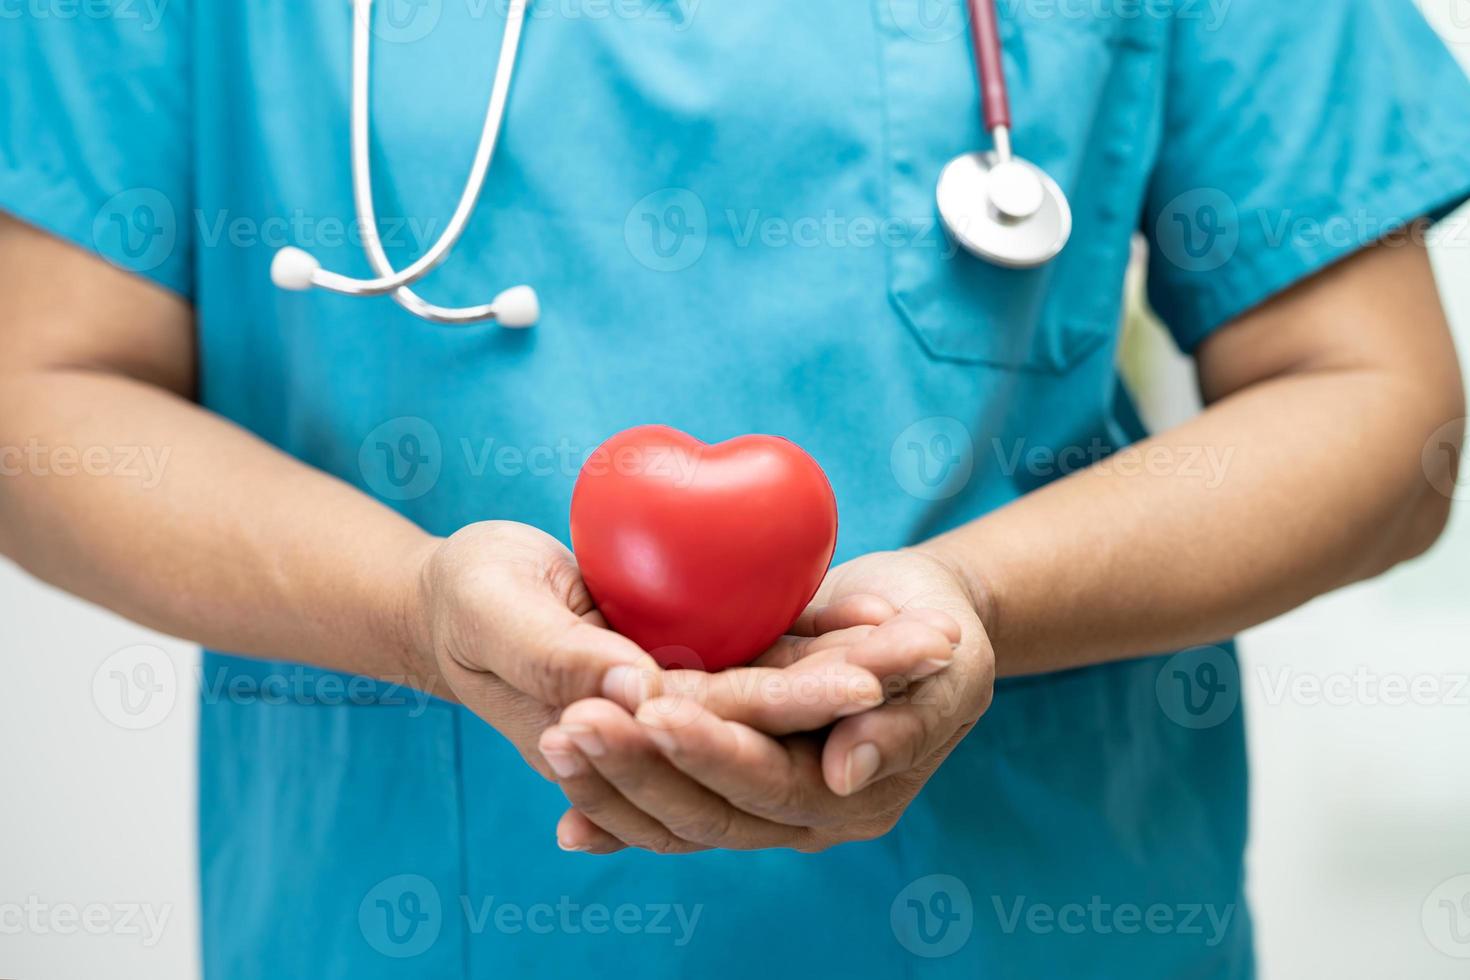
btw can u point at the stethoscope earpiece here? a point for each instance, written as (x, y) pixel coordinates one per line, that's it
(295, 269)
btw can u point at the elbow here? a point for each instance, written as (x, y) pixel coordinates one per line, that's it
(1426, 514)
(1425, 524)
(1442, 485)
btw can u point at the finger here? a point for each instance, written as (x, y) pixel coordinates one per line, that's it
(911, 645)
(625, 755)
(833, 676)
(780, 781)
(791, 648)
(557, 657)
(895, 738)
(778, 702)
(853, 610)
(599, 802)
(575, 832)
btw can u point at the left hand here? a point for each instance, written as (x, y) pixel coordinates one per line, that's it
(678, 777)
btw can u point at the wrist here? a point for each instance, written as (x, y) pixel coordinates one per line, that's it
(410, 631)
(974, 579)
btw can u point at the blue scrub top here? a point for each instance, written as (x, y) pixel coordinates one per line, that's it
(728, 210)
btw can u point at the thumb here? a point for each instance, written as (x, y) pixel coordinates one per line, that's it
(551, 654)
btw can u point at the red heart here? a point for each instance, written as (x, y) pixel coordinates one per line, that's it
(702, 555)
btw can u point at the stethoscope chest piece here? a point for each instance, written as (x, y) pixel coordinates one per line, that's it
(1009, 211)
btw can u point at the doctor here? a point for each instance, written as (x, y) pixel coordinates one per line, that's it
(728, 212)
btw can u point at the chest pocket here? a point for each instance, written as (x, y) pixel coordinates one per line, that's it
(1084, 91)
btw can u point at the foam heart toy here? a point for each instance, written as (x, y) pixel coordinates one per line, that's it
(701, 554)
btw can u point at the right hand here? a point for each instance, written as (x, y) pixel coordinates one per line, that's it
(505, 626)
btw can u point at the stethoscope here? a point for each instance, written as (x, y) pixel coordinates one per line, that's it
(998, 206)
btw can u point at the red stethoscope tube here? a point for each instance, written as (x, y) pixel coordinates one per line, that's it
(985, 36)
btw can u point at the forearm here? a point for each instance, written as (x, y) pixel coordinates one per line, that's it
(1285, 490)
(134, 498)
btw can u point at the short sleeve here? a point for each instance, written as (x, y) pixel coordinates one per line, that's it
(1294, 134)
(95, 119)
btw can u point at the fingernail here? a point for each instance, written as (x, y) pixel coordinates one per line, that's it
(556, 749)
(565, 766)
(585, 739)
(573, 848)
(862, 763)
(929, 668)
(865, 690)
(627, 685)
(863, 695)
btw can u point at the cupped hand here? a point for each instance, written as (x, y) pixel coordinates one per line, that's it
(676, 775)
(507, 628)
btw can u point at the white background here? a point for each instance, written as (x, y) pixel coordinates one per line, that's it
(1361, 810)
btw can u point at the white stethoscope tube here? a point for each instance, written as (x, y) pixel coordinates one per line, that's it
(293, 268)
(998, 206)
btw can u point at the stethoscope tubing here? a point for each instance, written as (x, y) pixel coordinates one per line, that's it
(387, 280)
(362, 180)
(990, 72)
